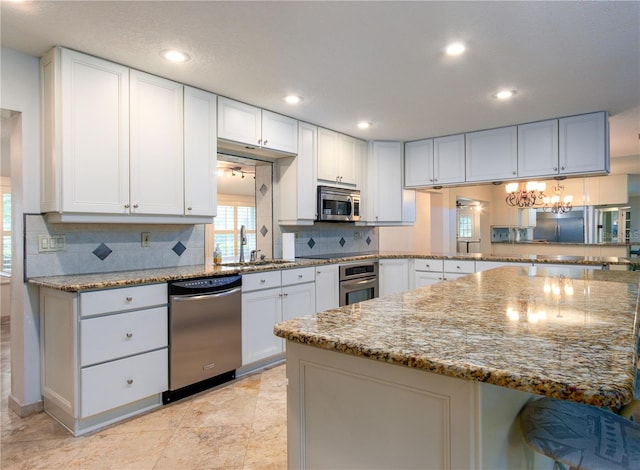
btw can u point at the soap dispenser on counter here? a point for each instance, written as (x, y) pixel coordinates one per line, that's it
(217, 255)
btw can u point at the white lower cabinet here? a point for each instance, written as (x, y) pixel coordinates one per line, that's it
(394, 276)
(100, 366)
(427, 272)
(454, 269)
(267, 299)
(327, 287)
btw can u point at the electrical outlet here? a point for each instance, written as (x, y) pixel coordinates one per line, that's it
(357, 235)
(145, 239)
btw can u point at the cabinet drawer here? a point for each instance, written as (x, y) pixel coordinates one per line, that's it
(125, 334)
(117, 383)
(433, 265)
(264, 280)
(298, 276)
(124, 298)
(459, 266)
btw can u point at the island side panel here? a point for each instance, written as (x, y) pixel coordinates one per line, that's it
(349, 412)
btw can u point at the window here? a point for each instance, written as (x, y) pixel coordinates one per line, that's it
(6, 229)
(233, 214)
(465, 226)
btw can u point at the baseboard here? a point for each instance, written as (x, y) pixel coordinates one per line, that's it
(25, 410)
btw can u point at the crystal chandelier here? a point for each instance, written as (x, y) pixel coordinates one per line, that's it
(530, 195)
(556, 203)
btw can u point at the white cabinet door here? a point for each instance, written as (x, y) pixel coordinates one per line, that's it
(384, 186)
(298, 300)
(346, 160)
(261, 310)
(327, 287)
(327, 151)
(200, 152)
(279, 132)
(584, 144)
(422, 278)
(538, 148)
(239, 122)
(394, 276)
(449, 159)
(492, 155)
(157, 154)
(418, 163)
(95, 135)
(298, 180)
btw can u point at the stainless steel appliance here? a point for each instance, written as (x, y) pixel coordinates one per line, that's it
(358, 282)
(560, 228)
(338, 204)
(205, 345)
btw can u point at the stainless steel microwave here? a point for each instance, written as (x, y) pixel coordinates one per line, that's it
(338, 204)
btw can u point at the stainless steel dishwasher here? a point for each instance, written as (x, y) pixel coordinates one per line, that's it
(205, 343)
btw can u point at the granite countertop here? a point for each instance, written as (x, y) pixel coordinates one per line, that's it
(571, 337)
(83, 282)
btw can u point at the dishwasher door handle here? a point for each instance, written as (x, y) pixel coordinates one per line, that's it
(213, 295)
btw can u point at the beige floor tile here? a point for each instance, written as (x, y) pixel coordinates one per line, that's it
(36, 427)
(206, 448)
(232, 405)
(267, 449)
(166, 418)
(47, 454)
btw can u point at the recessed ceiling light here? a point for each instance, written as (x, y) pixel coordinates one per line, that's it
(364, 125)
(505, 94)
(174, 55)
(455, 48)
(293, 99)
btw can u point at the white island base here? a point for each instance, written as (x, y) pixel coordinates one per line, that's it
(348, 412)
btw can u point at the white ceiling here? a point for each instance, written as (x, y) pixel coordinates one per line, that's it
(377, 61)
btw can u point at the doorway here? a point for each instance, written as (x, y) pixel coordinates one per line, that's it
(468, 225)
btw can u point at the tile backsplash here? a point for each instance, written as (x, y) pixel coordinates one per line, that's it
(96, 248)
(331, 238)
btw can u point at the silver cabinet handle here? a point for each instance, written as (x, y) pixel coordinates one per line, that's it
(262, 281)
(259, 141)
(299, 276)
(265, 142)
(189, 208)
(514, 172)
(555, 168)
(126, 206)
(129, 299)
(129, 381)
(285, 294)
(135, 206)
(129, 335)
(562, 168)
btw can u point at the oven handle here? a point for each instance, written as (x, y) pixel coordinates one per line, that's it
(368, 280)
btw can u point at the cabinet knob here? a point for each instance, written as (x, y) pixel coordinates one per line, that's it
(262, 281)
(129, 299)
(189, 208)
(513, 172)
(285, 294)
(129, 335)
(265, 142)
(435, 179)
(562, 168)
(129, 381)
(135, 206)
(259, 141)
(299, 276)
(126, 206)
(555, 168)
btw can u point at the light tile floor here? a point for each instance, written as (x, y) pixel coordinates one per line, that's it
(240, 425)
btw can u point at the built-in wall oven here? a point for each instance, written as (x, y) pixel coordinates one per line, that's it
(358, 282)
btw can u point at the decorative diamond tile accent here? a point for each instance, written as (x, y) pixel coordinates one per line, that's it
(311, 243)
(342, 241)
(368, 240)
(102, 251)
(179, 248)
(263, 189)
(264, 230)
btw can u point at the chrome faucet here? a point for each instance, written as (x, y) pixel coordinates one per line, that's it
(243, 242)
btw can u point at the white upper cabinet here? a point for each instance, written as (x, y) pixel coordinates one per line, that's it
(584, 144)
(492, 154)
(279, 132)
(418, 163)
(538, 148)
(86, 134)
(240, 122)
(156, 143)
(384, 191)
(337, 155)
(298, 180)
(200, 152)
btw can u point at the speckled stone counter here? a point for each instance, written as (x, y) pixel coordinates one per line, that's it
(82, 282)
(571, 337)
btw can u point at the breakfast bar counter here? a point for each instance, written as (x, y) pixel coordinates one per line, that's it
(435, 377)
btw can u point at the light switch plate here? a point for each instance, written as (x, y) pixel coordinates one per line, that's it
(145, 239)
(51, 243)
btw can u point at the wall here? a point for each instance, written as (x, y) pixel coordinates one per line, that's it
(330, 238)
(20, 92)
(410, 239)
(87, 245)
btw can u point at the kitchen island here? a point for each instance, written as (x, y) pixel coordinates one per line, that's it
(435, 377)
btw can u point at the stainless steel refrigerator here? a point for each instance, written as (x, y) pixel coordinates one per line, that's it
(560, 228)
